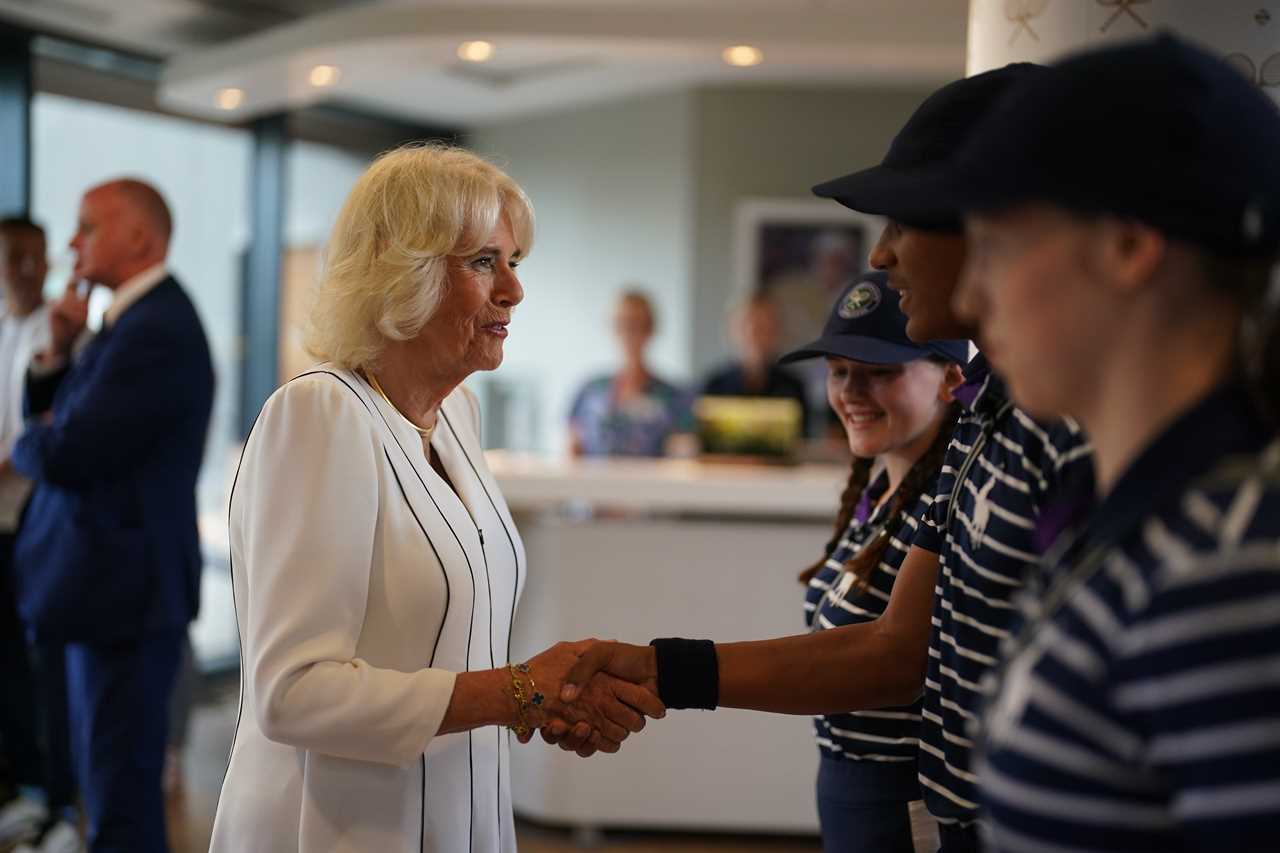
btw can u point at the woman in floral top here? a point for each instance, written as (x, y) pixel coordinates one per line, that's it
(633, 412)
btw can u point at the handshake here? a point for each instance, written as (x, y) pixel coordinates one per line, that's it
(588, 696)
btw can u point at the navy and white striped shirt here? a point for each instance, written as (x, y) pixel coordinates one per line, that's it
(1144, 714)
(1004, 469)
(886, 734)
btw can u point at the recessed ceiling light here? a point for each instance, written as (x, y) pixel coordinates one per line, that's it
(229, 99)
(324, 75)
(475, 51)
(743, 55)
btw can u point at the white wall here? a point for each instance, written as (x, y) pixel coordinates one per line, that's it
(613, 191)
(775, 143)
(645, 190)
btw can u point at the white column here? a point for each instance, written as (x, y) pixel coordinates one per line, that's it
(1247, 32)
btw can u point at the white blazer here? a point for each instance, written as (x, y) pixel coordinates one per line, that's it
(363, 583)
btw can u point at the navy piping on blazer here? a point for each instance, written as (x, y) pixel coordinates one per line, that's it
(471, 759)
(488, 584)
(515, 592)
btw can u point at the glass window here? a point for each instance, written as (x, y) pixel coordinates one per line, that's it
(317, 180)
(203, 172)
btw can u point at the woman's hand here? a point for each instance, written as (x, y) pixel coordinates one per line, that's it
(604, 710)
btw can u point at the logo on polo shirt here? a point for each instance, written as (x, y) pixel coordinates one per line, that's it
(860, 302)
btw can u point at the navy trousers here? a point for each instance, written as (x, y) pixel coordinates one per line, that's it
(119, 700)
(48, 661)
(863, 805)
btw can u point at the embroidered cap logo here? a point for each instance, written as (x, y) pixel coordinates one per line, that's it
(860, 302)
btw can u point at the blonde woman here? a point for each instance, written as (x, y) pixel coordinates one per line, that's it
(376, 567)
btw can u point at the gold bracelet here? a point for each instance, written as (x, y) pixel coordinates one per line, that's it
(525, 701)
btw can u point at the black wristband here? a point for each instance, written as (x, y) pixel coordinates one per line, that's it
(688, 673)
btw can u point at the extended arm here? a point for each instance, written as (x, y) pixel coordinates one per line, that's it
(880, 663)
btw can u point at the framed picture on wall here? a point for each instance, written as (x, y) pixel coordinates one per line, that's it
(801, 252)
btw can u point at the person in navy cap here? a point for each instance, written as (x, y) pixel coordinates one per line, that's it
(1123, 211)
(893, 397)
(1006, 471)
(951, 603)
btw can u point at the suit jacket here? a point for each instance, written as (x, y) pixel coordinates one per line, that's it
(108, 549)
(363, 583)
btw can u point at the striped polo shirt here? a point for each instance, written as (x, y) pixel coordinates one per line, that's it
(1143, 712)
(1003, 468)
(831, 601)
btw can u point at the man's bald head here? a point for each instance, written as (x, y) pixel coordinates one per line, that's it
(142, 200)
(124, 229)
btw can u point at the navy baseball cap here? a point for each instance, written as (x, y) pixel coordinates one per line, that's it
(899, 187)
(1156, 130)
(867, 325)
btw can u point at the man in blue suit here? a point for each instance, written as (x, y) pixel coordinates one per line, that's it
(108, 558)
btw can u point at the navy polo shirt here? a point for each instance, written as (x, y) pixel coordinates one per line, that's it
(1003, 469)
(1144, 712)
(886, 735)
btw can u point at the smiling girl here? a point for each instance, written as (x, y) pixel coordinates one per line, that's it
(893, 398)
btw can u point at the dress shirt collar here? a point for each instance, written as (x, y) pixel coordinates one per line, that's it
(133, 290)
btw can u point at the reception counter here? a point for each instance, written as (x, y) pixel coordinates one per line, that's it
(639, 549)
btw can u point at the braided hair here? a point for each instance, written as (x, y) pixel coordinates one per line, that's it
(922, 474)
(859, 479)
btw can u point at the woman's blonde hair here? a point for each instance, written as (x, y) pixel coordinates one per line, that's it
(386, 266)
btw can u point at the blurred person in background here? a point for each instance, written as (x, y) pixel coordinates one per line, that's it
(38, 803)
(756, 333)
(632, 412)
(108, 557)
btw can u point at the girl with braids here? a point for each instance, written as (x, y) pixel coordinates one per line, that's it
(894, 400)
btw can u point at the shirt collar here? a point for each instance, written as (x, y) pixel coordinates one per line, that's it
(132, 290)
(1179, 457)
(870, 495)
(982, 390)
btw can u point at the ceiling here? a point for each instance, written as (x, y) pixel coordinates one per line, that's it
(399, 57)
(161, 28)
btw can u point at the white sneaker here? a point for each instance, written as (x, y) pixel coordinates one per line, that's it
(60, 838)
(21, 819)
